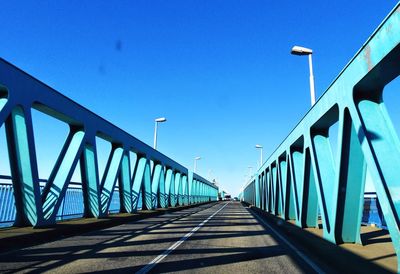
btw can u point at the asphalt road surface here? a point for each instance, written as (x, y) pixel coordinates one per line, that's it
(219, 238)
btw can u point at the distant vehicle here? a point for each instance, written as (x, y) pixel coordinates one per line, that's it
(236, 199)
(227, 197)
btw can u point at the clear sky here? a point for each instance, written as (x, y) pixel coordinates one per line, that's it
(220, 71)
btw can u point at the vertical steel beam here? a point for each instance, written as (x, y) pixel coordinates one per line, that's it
(185, 190)
(125, 184)
(23, 165)
(169, 184)
(290, 208)
(90, 180)
(257, 192)
(351, 180)
(309, 210)
(282, 181)
(155, 185)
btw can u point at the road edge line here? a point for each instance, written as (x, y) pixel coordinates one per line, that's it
(290, 245)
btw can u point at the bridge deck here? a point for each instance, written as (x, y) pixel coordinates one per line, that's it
(232, 240)
(223, 237)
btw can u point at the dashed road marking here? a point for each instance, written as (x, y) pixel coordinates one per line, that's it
(161, 257)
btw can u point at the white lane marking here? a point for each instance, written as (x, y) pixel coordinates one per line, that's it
(298, 252)
(161, 257)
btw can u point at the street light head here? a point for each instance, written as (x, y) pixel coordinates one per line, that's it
(161, 120)
(259, 146)
(296, 50)
(197, 158)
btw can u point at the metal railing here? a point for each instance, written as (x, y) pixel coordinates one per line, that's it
(156, 179)
(71, 206)
(7, 205)
(372, 213)
(304, 176)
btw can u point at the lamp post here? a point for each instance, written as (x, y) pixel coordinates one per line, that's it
(195, 163)
(158, 120)
(296, 50)
(261, 153)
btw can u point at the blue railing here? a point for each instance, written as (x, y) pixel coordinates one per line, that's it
(150, 175)
(71, 207)
(7, 205)
(372, 213)
(305, 177)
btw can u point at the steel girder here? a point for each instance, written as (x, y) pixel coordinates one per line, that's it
(304, 178)
(161, 181)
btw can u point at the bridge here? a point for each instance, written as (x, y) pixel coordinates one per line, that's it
(300, 212)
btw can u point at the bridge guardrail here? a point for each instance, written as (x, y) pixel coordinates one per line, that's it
(162, 181)
(303, 177)
(71, 206)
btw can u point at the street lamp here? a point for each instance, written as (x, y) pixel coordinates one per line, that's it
(296, 50)
(195, 163)
(261, 153)
(158, 120)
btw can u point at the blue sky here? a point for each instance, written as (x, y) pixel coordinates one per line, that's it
(220, 71)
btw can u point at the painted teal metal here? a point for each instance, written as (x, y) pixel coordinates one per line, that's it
(161, 181)
(304, 178)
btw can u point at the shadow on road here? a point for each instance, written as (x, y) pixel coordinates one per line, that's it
(119, 245)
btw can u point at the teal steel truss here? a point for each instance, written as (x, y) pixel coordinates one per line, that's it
(161, 181)
(304, 178)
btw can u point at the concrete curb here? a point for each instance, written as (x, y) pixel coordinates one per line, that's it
(15, 237)
(328, 253)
